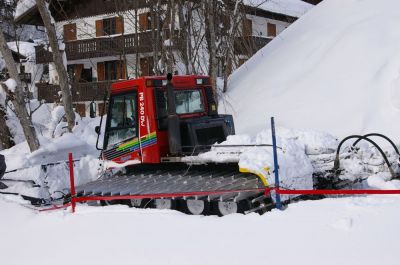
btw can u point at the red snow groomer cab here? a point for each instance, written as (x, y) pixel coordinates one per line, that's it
(156, 128)
(153, 120)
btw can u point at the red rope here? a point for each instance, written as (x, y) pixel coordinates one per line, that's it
(336, 192)
(55, 207)
(221, 192)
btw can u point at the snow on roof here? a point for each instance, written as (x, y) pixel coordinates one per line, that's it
(336, 69)
(23, 6)
(294, 8)
(24, 48)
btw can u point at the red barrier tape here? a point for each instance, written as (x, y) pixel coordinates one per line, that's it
(55, 207)
(221, 192)
(336, 192)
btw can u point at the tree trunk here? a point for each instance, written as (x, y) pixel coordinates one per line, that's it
(5, 135)
(210, 28)
(183, 36)
(170, 54)
(58, 61)
(18, 98)
(230, 46)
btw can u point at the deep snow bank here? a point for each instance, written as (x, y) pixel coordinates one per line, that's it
(360, 230)
(337, 69)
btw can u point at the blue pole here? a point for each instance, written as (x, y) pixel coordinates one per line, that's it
(276, 166)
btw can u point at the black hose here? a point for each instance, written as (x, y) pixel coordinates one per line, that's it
(337, 160)
(382, 136)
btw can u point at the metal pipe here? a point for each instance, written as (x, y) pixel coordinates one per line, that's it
(276, 166)
(174, 130)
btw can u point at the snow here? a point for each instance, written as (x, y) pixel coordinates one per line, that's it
(326, 72)
(24, 48)
(11, 85)
(294, 8)
(362, 230)
(316, 78)
(23, 6)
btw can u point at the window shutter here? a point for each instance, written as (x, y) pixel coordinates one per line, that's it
(78, 72)
(144, 67)
(70, 32)
(80, 109)
(121, 71)
(165, 23)
(271, 30)
(101, 72)
(119, 25)
(99, 28)
(143, 22)
(102, 109)
(247, 27)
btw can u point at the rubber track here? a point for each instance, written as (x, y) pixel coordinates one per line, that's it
(177, 179)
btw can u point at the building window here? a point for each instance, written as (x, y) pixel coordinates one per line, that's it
(109, 26)
(111, 70)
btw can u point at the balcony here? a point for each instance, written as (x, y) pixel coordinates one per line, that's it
(93, 91)
(25, 77)
(43, 55)
(101, 47)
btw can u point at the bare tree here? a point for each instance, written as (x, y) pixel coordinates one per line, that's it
(58, 62)
(17, 97)
(228, 50)
(5, 135)
(210, 7)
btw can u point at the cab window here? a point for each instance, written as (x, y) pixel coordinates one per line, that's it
(122, 123)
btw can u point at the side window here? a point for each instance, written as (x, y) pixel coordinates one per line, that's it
(122, 125)
(123, 112)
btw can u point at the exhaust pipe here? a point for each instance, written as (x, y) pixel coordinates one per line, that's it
(174, 128)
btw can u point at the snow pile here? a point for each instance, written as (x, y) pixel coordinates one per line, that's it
(294, 8)
(11, 85)
(55, 143)
(295, 165)
(23, 6)
(336, 69)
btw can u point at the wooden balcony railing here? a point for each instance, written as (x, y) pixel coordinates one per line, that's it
(43, 55)
(101, 47)
(25, 77)
(93, 91)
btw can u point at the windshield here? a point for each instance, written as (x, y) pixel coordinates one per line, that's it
(122, 124)
(188, 101)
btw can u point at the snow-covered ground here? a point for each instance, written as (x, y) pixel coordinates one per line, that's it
(317, 75)
(361, 230)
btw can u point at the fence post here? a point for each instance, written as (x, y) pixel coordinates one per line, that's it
(276, 166)
(72, 181)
